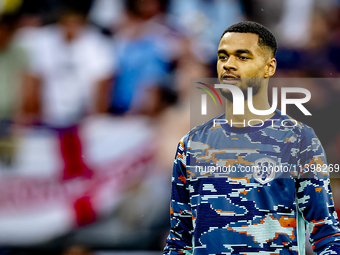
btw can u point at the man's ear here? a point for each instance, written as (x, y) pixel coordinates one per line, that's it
(270, 68)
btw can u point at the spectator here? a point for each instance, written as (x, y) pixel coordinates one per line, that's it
(147, 48)
(69, 60)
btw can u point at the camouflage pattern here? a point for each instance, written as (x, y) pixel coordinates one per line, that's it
(234, 211)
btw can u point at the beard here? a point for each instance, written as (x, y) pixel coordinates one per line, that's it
(254, 83)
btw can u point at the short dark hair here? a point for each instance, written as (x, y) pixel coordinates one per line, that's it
(266, 38)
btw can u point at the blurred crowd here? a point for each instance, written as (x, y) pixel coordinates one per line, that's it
(127, 64)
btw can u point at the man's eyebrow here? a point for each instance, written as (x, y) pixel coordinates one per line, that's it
(222, 51)
(239, 51)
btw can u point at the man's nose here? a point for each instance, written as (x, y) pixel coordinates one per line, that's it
(230, 64)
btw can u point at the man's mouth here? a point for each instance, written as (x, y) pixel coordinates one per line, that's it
(230, 79)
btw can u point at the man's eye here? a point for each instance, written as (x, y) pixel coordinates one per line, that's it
(222, 57)
(244, 58)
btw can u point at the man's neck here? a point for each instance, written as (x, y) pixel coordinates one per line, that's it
(260, 102)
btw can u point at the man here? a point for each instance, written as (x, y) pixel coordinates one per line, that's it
(250, 212)
(69, 60)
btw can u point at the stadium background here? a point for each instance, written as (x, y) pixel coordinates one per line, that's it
(94, 97)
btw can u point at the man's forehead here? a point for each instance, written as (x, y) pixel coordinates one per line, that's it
(239, 40)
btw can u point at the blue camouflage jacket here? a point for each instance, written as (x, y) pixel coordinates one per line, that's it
(252, 190)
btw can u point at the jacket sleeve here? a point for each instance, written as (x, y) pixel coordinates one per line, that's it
(314, 196)
(179, 240)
